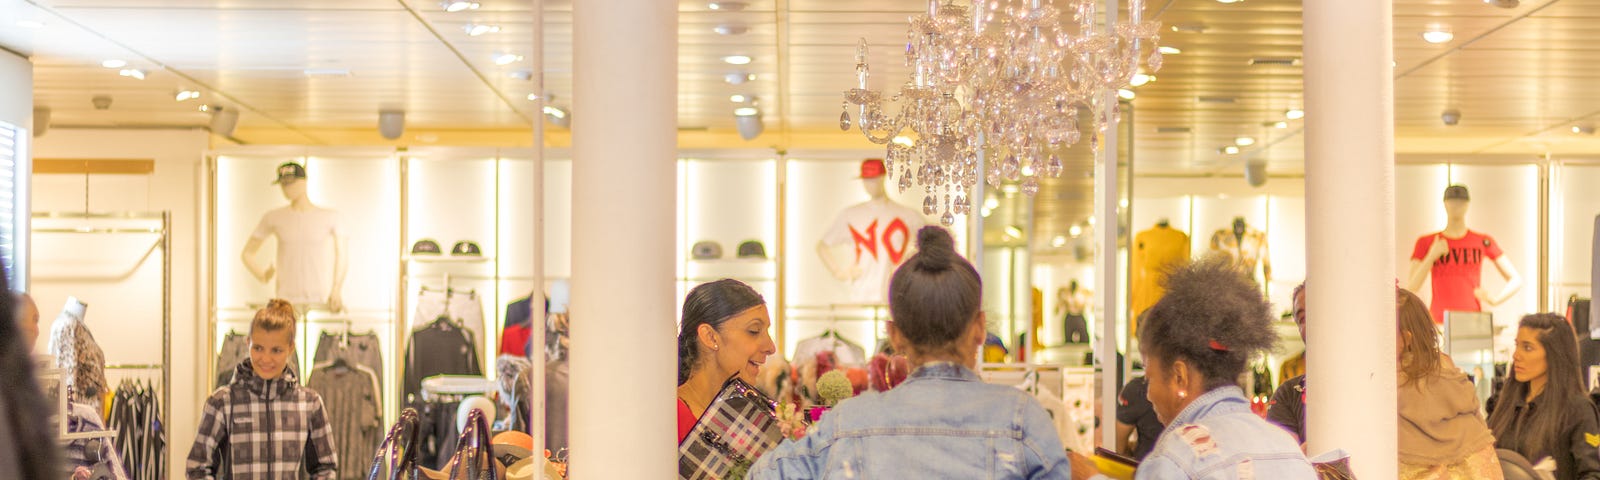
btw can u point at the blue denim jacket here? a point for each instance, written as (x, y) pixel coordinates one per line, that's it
(943, 422)
(1218, 437)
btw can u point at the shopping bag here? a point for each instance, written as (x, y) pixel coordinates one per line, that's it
(739, 426)
(397, 455)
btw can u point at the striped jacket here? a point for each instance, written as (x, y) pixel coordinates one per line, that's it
(255, 429)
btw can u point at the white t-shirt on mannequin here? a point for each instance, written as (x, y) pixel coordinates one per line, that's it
(881, 234)
(305, 251)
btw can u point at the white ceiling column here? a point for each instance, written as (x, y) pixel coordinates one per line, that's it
(624, 366)
(1350, 359)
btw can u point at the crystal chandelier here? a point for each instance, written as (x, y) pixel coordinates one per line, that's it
(1005, 79)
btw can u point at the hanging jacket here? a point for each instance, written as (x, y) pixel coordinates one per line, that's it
(257, 429)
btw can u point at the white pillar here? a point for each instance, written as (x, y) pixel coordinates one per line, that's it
(1108, 199)
(538, 425)
(1349, 94)
(624, 365)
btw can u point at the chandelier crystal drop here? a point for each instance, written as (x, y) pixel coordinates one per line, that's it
(995, 92)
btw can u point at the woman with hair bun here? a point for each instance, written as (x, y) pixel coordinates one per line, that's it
(943, 422)
(1197, 341)
(264, 425)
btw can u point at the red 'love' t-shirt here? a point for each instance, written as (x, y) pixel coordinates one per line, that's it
(1457, 273)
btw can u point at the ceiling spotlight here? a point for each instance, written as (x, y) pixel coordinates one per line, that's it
(506, 58)
(737, 59)
(746, 111)
(748, 121)
(738, 98)
(1244, 141)
(1058, 242)
(458, 5)
(183, 95)
(729, 29)
(1140, 79)
(727, 6)
(1503, 3)
(1450, 117)
(557, 115)
(1169, 50)
(1075, 230)
(475, 29)
(1438, 34)
(1294, 114)
(524, 75)
(1583, 129)
(738, 78)
(1125, 94)
(1189, 28)
(132, 73)
(205, 108)
(114, 63)
(1013, 231)
(1230, 150)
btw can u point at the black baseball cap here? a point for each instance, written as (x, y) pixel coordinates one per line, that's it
(1456, 192)
(290, 171)
(425, 246)
(466, 247)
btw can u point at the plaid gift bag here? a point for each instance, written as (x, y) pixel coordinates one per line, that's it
(740, 425)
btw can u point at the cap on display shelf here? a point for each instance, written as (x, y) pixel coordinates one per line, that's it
(752, 249)
(466, 248)
(706, 250)
(289, 172)
(426, 246)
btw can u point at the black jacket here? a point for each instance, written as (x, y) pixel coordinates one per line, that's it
(1576, 455)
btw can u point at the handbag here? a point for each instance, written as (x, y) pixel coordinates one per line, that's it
(1333, 465)
(397, 455)
(474, 456)
(740, 425)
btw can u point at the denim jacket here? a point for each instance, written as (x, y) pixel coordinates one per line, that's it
(943, 422)
(1218, 437)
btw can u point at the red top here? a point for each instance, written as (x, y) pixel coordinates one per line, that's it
(514, 340)
(1458, 273)
(686, 420)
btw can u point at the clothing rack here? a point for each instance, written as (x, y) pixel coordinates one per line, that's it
(164, 244)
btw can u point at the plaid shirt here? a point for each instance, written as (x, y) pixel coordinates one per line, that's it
(263, 430)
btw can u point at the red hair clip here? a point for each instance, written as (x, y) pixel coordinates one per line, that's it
(1218, 346)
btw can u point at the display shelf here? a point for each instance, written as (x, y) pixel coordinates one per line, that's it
(448, 259)
(734, 261)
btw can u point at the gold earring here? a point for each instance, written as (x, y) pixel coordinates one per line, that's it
(1183, 394)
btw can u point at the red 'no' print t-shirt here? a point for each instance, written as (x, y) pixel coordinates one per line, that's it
(1457, 273)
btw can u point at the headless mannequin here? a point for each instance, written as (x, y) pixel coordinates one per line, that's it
(1456, 227)
(837, 257)
(1239, 230)
(263, 271)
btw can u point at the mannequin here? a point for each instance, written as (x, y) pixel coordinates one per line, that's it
(306, 235)
(1154, 251)
(869, 240)
(1454, 258)
(1246, 247)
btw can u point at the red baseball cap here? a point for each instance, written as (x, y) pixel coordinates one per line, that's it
(872, 168)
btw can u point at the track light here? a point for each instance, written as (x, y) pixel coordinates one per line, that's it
(748, 121)
(113, 63)
(184, 95)
(223, 121)
(476, 29)
(559, 116)
(391, 123)
(1583, 129)
(1294, 114)
(506, 58)
(458, 5)
(738, 78)
(133, 73)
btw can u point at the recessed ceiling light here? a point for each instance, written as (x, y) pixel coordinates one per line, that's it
(1230, 150)
(1091, 221)
(1075, 231)
(729, 29)
(132, 73)
(746, 111)
(1438, 34)
(727, 6)
(458, 5)
(30, 24)
(1125, 94)
(476, 29)
(1583, 129)
(1294, 114)
(523, 75)
(737, 59)
(113, 63)
(1014, 231)
(1169, 50)
(738, 98)
(1189, 28)
(184, 95)
(1244, 141)
(738, 78)
(507, 58)
(1058, 242)
(205, 108)
(533, 96)
(1139, 79)
(1279, 124)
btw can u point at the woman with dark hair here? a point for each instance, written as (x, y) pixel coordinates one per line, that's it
(723, 334)
(1442, 435)
(27, 447)
(1542, 410)
(943, 422)
(1197, 341)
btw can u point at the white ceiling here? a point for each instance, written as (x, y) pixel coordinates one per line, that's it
(1521, 77)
